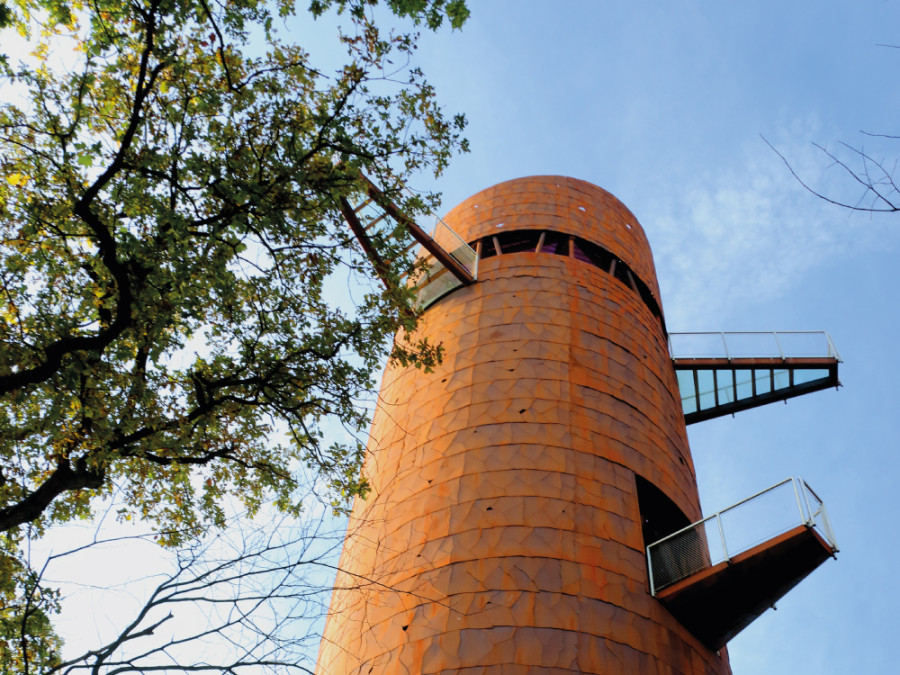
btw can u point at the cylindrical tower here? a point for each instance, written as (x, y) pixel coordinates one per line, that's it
(515, 487)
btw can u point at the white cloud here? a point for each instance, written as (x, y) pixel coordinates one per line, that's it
(748, 231)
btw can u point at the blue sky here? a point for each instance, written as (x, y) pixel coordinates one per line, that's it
(664, 105)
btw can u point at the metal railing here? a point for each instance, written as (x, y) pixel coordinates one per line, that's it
(752, 344)
(436, 280)
(447, 238)
(727, 533)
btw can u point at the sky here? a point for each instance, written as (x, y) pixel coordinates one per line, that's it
(667, 105)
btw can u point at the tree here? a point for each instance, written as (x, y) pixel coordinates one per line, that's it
(170, 180)
(242, 600)
(27, 638)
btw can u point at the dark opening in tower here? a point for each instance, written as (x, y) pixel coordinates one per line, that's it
(660, 517)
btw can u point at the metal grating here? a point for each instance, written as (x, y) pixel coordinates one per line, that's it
(682, 555)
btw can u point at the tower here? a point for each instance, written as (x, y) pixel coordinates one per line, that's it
(516, 489)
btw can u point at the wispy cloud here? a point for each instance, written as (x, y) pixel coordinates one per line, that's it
(748, 231)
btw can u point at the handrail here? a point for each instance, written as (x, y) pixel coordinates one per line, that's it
(780, 341)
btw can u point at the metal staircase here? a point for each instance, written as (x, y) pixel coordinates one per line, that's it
(449, 262)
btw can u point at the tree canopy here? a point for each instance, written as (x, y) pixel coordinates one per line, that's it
(170, 178)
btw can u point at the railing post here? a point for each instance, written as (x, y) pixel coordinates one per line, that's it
(827, 525)
(832, 350)
(650, 570)
(778, 344)
(812, 517)
(804, 518)
(722, 535)
(725, 345)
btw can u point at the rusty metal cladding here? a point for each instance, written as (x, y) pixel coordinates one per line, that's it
(503, 532)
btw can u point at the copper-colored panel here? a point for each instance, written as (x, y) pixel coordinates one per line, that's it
(503, 533)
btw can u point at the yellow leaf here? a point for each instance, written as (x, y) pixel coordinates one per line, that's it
(17, 179)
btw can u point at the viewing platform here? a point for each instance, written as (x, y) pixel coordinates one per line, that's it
(719, 574)
(724, 373)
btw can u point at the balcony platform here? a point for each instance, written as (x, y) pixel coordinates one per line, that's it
(718, 602)
(724, 373)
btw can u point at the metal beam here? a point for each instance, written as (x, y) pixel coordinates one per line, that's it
(368, 248)
(429, 244)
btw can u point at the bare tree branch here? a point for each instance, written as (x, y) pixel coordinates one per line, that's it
(880, 192)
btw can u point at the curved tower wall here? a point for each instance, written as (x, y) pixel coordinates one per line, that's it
(503, 532)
